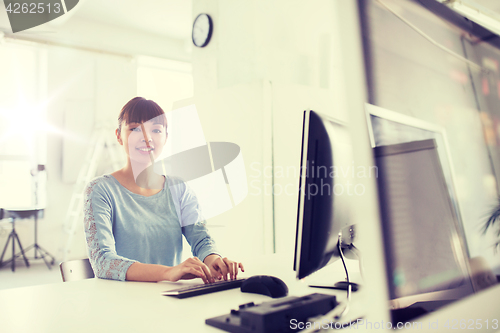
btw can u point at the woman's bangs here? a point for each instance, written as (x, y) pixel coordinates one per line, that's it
(145, 111)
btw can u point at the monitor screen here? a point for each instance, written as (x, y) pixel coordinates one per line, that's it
(424, 254)
(324, 189)
(387, 127)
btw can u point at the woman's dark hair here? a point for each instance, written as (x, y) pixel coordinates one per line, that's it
(139, 110)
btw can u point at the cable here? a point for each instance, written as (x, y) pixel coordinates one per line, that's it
(423, 34)
(334, 310)
(354, 250)
(349, 287)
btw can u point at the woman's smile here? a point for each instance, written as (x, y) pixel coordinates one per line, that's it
(145, 150)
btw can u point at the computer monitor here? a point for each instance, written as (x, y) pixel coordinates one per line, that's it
(324, 190)
(425, 260)
(387, 127)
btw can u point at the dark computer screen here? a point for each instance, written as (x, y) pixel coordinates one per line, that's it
(323, 192)
(424, 255)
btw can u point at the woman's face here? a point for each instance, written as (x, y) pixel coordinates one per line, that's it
(141, 139)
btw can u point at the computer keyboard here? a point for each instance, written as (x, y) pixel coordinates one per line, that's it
(203, 288)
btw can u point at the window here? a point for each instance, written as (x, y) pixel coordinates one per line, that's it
(22, 120)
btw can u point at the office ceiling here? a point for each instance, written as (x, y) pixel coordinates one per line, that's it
(170, 18)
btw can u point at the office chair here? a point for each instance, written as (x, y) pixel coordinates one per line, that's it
(75, 270)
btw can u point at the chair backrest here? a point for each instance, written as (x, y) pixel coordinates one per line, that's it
(75, 270)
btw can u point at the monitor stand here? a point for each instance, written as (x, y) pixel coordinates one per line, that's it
(336, 272)
(341, 285)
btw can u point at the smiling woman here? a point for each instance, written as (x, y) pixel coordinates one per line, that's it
(143, 136)
(135, 219)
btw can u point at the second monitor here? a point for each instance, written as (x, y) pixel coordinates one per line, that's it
(425, 257)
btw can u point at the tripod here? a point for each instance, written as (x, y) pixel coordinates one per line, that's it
(38, 249)
(40, 253)
(38, 191)
(13, 237)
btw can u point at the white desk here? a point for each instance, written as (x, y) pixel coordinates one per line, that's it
(97, 305)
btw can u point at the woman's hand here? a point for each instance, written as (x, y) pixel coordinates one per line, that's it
(221, 267)
(189, 269)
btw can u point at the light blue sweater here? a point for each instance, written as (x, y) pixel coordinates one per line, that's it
(122, 227)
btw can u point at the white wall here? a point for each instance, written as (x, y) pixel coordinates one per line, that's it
(272, 59)
(253, 79)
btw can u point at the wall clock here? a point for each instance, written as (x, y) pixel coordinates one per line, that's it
(202, 30)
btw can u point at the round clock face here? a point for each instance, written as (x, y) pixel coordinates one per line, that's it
(202, 30)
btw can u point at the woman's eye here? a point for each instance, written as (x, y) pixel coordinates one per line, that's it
(136, 129)
(156, 131)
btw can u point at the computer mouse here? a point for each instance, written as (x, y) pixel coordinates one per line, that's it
(265, 285)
